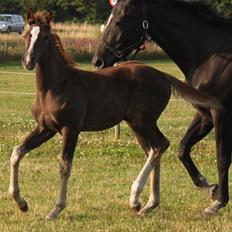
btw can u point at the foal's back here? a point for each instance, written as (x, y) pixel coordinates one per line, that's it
(124, 92)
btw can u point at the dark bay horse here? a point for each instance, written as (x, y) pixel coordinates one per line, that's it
(69, 100)
(199, 41)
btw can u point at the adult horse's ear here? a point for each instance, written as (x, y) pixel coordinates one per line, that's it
(30, 17)
(49, 17)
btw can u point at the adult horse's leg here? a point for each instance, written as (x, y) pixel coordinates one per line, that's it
(154, 144)
(70, 137)
(36, 138)
(223, 134)
(200, 127)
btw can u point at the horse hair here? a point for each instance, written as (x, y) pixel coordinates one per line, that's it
(61, 50)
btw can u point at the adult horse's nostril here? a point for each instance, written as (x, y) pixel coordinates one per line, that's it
(99, 63)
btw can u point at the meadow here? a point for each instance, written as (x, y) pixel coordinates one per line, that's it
(103, 171)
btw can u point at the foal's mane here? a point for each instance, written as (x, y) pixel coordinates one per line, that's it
(60, 48)
(204, 11)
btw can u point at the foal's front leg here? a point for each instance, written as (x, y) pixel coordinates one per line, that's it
(70, 137)
(138, 185)
(36, 138)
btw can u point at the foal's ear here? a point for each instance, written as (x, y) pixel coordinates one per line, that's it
(30, 17)
(49, 17)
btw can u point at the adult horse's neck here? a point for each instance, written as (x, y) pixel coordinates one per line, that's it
(50, 70)
(189, 40)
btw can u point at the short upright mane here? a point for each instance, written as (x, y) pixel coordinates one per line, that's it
(60, 49)
(204, 11)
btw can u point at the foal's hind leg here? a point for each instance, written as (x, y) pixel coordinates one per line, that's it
(154, 144)
(70, 137)
(162, 144)
(35, 139)
(199, 128)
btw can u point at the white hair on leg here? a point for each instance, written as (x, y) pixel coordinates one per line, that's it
(140, 181)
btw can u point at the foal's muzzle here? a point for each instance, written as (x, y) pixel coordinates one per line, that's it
(28, 65)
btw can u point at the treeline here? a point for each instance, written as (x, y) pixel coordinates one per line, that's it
(222, 6)
(92, 11)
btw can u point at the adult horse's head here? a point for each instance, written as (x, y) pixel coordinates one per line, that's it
(125, 31)
(37, 37)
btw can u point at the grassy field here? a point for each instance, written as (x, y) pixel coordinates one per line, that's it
(103, 171)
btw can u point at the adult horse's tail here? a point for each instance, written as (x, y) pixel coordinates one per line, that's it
(193, 95)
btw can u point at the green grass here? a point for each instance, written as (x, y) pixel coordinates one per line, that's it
(102, 173)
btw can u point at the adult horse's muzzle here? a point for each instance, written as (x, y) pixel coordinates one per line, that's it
(98, 62)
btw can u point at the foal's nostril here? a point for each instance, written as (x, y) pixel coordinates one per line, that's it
(99, 63)
(32, 58)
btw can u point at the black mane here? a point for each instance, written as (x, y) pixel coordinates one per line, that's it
(204, 11)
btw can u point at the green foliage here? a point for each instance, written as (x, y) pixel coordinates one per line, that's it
(64, 10)
(223, 6)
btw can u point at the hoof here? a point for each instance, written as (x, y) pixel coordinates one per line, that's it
(135, 209)
(53, 214)
(23, 206)
(209, 213)
(148, 208)
(212, 210)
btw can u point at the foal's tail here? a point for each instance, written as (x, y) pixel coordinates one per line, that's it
(193, 95)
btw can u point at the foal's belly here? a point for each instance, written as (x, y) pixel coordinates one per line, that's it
(99, 126)
(102, 119)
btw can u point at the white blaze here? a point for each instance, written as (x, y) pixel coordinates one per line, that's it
(34, 36)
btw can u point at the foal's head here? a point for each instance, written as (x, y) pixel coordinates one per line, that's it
(37, 37)
(123, 32)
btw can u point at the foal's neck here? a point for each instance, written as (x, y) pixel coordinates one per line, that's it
(51, 70)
